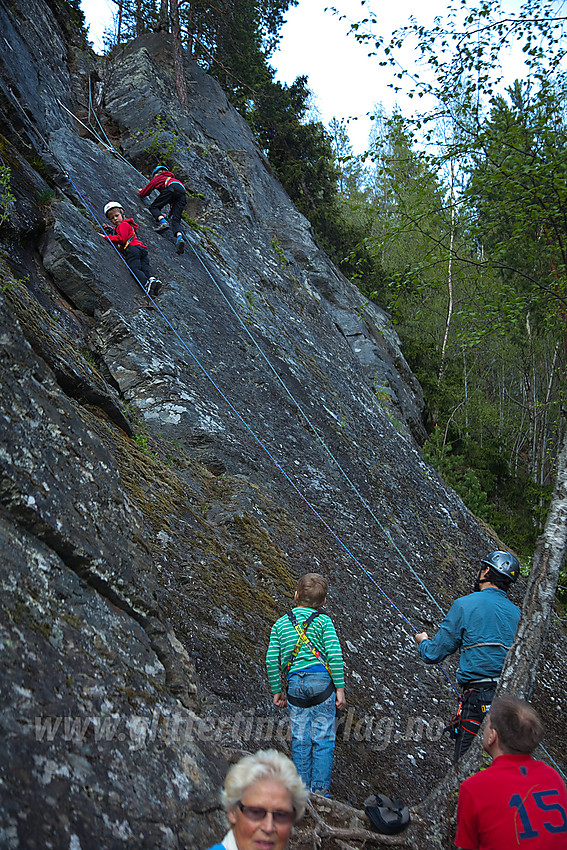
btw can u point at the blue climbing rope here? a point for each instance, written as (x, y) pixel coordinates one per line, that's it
(107, 144)
(249, 429)
(258, 440)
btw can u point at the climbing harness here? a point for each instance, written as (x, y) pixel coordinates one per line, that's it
(172, 180)
(302, 632)
(309, 702)
(488, 643)
(317, 699)
(459, 725)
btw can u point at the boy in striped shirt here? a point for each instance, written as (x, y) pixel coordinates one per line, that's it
(305, 643)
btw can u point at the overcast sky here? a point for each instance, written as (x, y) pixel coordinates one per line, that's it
(345, 82)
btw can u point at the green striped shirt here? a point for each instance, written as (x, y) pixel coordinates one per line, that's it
(284, 637)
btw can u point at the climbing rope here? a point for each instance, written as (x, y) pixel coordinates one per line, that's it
(316, 432)
(245, 424)
(92, 111)
(310, 424)
(257, 439)
(108, 146)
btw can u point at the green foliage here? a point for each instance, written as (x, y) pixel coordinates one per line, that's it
(514, 508)
(276, 247)
(163, 140)
(472, 238)
(6, 197)
(46, 197)
(10, 284)
(38, 165)
(76, 17)
(233, 42)
(142, 441)
(90, 359)
(303, 155)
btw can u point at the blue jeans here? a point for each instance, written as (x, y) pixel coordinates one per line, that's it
(312, 729)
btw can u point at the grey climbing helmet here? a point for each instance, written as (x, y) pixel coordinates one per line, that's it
(504, 563)
(159, 168)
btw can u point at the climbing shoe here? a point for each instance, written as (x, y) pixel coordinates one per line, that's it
(180, 243)
(153, 286)
(162, 225)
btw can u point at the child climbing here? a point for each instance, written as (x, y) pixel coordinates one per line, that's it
(135, 252)
(172, 193)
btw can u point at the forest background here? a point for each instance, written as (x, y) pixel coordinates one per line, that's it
(454, 220)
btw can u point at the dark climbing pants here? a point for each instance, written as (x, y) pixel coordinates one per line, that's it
(176, 197)
(475, 705)
(138, 262)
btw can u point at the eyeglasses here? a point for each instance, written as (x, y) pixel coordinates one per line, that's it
(257, 814)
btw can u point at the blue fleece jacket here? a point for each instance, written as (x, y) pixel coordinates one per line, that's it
(479, 618)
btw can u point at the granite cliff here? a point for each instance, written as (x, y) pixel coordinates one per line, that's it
(167, 472)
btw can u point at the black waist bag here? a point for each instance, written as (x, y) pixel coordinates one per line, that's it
(388, 816)
(309, 702)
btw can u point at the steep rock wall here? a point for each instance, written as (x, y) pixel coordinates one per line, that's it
(156, 468)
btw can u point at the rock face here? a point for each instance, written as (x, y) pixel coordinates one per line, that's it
(168, 472)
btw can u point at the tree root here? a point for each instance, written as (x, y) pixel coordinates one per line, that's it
(323, 832)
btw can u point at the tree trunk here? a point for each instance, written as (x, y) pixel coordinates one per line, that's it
(466, 390)
(443, 364)
(119, 27)
(164, 16)
(518, 676)
(545, 438)
(180, 82)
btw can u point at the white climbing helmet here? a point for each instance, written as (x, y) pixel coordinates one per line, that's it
(112, 205)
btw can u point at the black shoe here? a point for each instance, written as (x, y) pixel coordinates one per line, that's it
(180, 243)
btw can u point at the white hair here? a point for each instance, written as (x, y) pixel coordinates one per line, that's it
(265, 764)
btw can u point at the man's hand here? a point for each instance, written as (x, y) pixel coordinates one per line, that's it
(340, 701)
(280, 700)
(421, 636)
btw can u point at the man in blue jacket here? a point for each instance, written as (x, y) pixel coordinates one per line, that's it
(482, 625)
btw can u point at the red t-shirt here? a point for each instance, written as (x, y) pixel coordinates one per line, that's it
(516, 802)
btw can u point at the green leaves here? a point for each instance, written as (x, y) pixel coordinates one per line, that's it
(473, 240)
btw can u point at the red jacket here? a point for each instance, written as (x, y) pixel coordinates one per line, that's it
(125, 234)
(160, 182)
